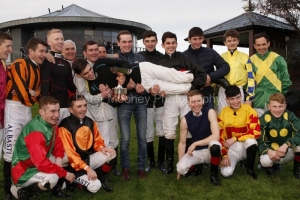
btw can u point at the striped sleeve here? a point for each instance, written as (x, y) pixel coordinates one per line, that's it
(17, 74)
(251, 82)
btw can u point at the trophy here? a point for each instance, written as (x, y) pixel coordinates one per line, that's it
(120, 72)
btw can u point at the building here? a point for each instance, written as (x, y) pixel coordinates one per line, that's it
(77, 24)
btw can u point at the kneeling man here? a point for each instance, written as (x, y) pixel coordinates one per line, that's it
(202, 123)
(89, 159)
(280, 137)
(38, 153)
(239, 129)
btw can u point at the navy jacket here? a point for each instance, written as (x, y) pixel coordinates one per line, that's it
(209, 59)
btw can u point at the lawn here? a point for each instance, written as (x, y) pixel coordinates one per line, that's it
(159, 186)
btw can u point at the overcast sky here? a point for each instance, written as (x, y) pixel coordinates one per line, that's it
(177, 16)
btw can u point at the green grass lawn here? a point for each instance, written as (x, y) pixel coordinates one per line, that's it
(159, 186)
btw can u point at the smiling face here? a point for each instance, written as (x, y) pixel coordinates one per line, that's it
(50, 113)
(169, 45)
(261, 45)
(56, 41)
(69, 51)
(196, 42)
(79, 108)
(5, 49)
(235, 102)
(195, 102)
(91, 53)
(102, 52)
(276, 108)
(231, 43)
(150, 43)
(87, 73)
(38, 56)
(125, 43)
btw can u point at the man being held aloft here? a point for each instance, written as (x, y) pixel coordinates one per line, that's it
(239, 129)
(89, 159)
(202, 123)
(280, 137)
(38, 154)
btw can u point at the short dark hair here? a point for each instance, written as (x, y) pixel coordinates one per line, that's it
(149, 33)
(123, 32)
(75, 97)
(194, 93)
(4, 36)
(88, 43)
(33, 43)
(232, 91)
(79, 65)
(168, 34)
(193, 32)
(260, 35)
(231, 33)
(46, 100)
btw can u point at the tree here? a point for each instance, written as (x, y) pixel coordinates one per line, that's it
(287, 10)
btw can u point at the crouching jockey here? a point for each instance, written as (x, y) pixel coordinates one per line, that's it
(88, 157)
(38, 153)
(280, 137)
(202, 123)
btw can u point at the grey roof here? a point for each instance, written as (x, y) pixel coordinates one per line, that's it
(248, 19)
(72, 11)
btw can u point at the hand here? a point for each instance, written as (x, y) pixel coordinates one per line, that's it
(50, 57)
(58, 161)
(191, 149)
(225, 162)
(163, 93)
(13, 92)
(105, 91)
(108, 151)
(139, 88)
(32, 92)
(119, 98)
(70, 177)
(281, 151)
(178, 176)
(121, 78)
(91, 174)
(131, 85)
(248, 103)
(154, 90)
(273, 155)
(116, 55)
(208, 80)
(228, 143)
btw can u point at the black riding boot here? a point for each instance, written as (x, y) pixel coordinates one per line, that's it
(56, 191)
(7, 180)
(161, 153)
(296, 168)
(114, 169)
(251, 154)
(170, 156)
(31, 190)
(215, 152)
(102, 173)
(150, 152)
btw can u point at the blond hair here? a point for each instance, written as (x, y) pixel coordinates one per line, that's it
(53, 31)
